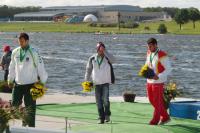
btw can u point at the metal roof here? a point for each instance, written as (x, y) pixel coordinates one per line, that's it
(123, 8)
(56, 10)
(96, 8)
(70, 7)
(39, 14)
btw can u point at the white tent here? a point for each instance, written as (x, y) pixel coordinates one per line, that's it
(90, 18)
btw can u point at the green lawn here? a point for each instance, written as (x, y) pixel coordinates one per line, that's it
(173, 28)
(126, 118)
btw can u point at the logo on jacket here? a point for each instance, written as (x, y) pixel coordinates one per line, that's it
(27, 58)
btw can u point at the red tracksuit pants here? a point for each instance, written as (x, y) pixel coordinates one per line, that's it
(155, 95)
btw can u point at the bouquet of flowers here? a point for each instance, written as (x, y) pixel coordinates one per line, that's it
(87, 86)
(146, 72)
(7, 113)
(38, 90)
(170, 92)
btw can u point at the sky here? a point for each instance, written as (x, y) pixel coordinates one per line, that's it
(141, 3)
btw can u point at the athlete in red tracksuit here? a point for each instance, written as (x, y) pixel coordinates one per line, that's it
(159, 62)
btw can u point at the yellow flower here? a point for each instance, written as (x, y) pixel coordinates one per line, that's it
(170, 92)
(87, 86)
(173, 86)
(38, 85)
(146, 72)
(37, 91)
(143, 69)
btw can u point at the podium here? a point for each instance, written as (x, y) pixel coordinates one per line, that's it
(186, 109)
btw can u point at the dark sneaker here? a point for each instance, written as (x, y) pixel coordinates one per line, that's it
(165, 121)
(101, 122)
(107, 118)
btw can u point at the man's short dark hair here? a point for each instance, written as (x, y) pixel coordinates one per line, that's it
(24, 35)
(152, 40)
(102, 44)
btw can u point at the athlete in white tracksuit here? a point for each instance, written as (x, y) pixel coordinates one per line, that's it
(99, 68)
(26, 68)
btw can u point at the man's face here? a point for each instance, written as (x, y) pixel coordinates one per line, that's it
(100, 50)
(22, 42)
(152, 47)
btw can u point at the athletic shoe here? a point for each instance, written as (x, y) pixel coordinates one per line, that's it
(165, 122)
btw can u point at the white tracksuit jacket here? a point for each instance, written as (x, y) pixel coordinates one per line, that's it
(100, 75)
(27, 71)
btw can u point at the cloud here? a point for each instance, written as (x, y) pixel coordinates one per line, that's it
(142, 3)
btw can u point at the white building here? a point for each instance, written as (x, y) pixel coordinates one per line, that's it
(104, 13)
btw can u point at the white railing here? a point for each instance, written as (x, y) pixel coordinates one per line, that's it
(33, 130)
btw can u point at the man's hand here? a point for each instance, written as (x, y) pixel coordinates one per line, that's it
(155, 77)
(10, 85)
(39, 82)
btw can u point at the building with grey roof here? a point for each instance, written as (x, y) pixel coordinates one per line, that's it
(95, 8)
(104, 13)
(38, 16)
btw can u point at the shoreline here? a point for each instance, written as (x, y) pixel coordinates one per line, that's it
(59, 98)
(93, 33)
(172, 28)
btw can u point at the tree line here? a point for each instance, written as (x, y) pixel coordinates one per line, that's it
(169, 10)
(10, 11)
(181, 16)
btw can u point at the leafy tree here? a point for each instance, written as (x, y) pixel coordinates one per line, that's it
(130, 24)
(169, 10)
(9, 11)
(162, 29)
(194, 15)
(181, 17)
(153, 9)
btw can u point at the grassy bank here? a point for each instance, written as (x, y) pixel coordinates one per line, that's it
(172, 27)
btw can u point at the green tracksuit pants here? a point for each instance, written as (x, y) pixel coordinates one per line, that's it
(20, 92)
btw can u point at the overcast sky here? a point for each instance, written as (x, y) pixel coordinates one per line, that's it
(141, 3)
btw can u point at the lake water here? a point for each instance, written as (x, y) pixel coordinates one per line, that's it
(65, 56)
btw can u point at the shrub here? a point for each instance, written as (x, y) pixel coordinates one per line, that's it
(93, 24)
(129, 25)
(135, 25)
(162, 29)
(101, 25)
(146, 28)
(111, 25)
(107, 25)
